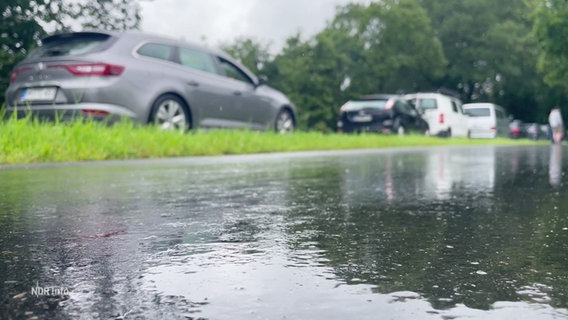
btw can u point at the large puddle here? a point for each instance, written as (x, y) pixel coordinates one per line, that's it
(433, 233)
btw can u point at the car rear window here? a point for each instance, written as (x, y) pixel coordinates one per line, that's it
(428, 104)
(377, 104)
(72, 44)
(478, 112)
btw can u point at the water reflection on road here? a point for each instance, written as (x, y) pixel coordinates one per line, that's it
(439, 233)
(555, 165)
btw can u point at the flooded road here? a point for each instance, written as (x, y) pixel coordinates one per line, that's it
(432, 233)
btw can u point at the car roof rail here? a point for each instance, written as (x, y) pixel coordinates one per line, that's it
(377, 96)
(449, 92)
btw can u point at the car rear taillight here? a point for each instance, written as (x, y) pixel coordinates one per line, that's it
(493, 129)
(92, 69)
(95, 113)
(17, 71)
(442, 120)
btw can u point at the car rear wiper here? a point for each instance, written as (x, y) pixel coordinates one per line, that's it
(54, 52)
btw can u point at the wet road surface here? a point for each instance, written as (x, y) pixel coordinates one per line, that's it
(432, 233)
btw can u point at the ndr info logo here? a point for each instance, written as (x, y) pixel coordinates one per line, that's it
(49, 291)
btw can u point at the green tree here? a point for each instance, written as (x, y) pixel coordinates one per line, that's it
(550, 30)
(253, 54)
(491, 53)
(18, 33)
(399, 49)
(100, 14)
(291, 72)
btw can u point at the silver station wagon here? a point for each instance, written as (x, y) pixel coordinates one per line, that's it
(148, 78)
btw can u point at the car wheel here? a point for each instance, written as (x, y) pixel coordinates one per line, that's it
(170, 113)
(284, 122)
(398, 128)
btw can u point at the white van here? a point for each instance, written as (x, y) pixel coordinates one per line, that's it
(443, 114)
(487, 120)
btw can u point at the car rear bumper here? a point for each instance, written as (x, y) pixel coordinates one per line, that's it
(482, 134)
(66, 112)
(349, 127)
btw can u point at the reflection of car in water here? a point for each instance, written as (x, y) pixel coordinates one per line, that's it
(447, 170)
(436, 173)
(380, 113)
(555, 165)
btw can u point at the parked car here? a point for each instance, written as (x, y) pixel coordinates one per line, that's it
(380, 113)
(487, 120)
(536, 131)
(148, 78)
(517, 129)
(443, 113)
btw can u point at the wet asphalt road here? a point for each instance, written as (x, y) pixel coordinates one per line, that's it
(432, 233)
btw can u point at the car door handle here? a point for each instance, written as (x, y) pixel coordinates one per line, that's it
(193, 83)
(238, 93)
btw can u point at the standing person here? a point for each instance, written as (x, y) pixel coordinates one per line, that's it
(556, 125)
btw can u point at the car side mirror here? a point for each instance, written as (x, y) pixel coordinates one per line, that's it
(262, 80)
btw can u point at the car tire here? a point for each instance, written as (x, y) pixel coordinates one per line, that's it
(398, 128)
(170, 113)
(284, 122)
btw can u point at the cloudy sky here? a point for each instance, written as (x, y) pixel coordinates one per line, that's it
(221, 21)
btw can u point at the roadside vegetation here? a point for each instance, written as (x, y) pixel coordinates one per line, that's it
(30, 141)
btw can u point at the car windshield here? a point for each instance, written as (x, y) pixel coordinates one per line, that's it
(376, 104)
(76, 44)
(478, 112)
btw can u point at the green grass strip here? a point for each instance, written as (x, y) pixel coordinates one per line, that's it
(30, 141)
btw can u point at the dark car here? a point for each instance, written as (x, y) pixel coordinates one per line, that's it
(380, 113)
(148, 78)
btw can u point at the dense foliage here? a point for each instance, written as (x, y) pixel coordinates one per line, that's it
(512, 52)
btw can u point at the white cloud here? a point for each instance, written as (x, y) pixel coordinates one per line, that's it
(222, 21)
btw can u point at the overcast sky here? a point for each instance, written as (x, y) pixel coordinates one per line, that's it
(221, 21)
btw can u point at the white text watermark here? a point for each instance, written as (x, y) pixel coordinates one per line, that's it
(49, 291)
